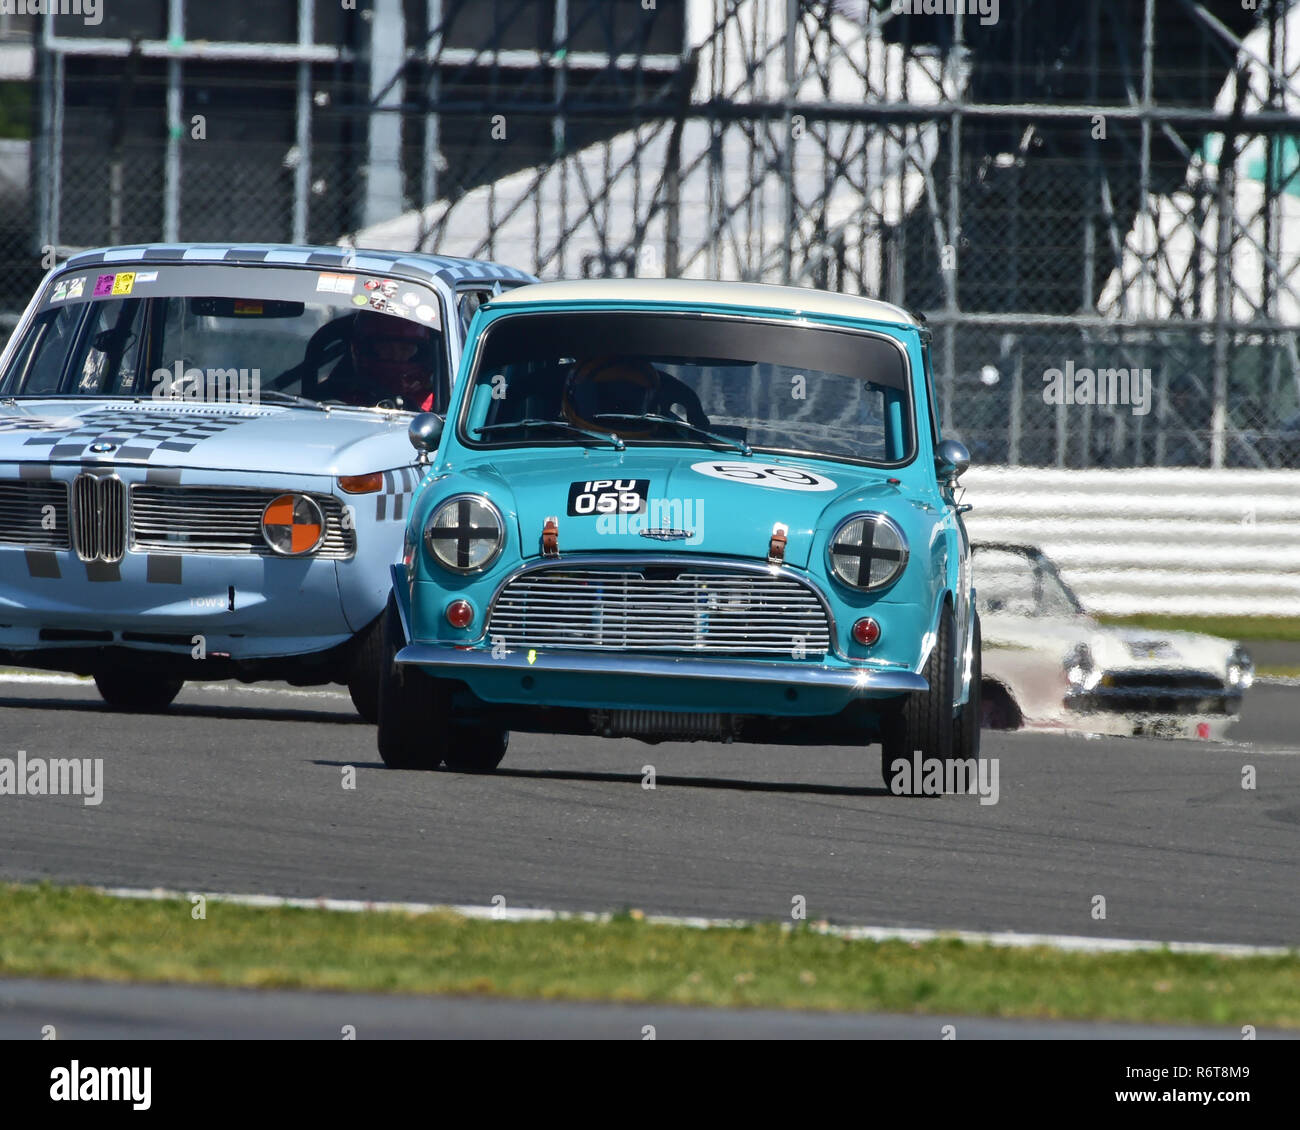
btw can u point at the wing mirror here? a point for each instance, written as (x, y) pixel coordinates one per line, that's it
(951, 459)
(425, 432)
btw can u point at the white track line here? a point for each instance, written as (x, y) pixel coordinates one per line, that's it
(1005, 938)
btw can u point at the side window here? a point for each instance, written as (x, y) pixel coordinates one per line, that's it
(468, 302)
(38, 366)
(112, 347)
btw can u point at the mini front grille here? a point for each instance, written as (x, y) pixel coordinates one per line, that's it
(99, 518)
(181, 519)
(674, 609)
(34, 513)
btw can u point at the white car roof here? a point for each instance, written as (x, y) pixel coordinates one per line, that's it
(705, 293)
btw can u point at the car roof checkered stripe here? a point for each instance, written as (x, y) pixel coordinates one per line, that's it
(428, 267)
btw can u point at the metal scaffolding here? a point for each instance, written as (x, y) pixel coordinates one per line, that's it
(1048, 189)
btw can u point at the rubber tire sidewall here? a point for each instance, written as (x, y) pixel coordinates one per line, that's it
(475, 749)
(412, 731)
(925, 720)
(137, 692)
(366, 669)
(966, 728)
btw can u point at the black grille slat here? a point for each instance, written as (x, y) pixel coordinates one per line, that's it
(23, 513)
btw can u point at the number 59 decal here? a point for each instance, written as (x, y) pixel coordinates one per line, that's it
(766, 475)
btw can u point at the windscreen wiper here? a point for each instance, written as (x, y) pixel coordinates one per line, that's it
(656, 418)
(573, 429)
(280, 397)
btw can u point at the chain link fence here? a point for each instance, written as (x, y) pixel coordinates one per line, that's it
(1087, 308)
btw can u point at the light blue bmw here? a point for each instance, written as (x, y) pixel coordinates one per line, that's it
(204, 469)
(677, 510)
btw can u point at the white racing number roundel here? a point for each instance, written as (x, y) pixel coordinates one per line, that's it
(775, 475)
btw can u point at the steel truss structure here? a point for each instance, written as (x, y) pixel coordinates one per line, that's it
(1108, 183)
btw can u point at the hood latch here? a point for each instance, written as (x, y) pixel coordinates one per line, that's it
(776, 547)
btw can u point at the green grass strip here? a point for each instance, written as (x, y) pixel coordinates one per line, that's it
(1229, 627)
(48, 931)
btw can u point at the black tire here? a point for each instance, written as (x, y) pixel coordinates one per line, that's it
(924, 722)
(135, 691)
(999, 709)
(475, 749)
(412, 707)
(966, 726)
(365, 669)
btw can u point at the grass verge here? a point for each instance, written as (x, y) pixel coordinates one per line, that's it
(1229, 627)
(48, 931)
(1277, 671)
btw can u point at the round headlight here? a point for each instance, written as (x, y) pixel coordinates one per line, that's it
(1241, 669)
(868, 551)
(293, 525)
(465, 533)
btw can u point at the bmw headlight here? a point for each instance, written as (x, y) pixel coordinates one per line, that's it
(293, 525)
(867, 551)
(465, 533)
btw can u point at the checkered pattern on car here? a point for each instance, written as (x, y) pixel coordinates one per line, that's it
(137, 436)
(407, 264)
(399, 485)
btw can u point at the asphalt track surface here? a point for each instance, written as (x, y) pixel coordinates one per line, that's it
(240, 790)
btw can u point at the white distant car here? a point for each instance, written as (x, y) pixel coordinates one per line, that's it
(1048, 664)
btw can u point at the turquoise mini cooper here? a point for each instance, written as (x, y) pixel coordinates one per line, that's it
(678, 511)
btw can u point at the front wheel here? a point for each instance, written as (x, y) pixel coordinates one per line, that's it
(475, 749)
(924, 723)
(364, 670)
(966, 727)
(412, 707)
(136, 691)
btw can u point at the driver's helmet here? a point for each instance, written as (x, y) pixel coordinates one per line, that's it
(617, 385)
(394, 357)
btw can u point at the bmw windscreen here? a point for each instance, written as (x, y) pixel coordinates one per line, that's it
(234, 334)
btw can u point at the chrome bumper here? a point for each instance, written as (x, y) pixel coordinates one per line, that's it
(851, 680)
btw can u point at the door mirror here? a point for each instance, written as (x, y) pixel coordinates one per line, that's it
(951, 459)
(425, 432)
